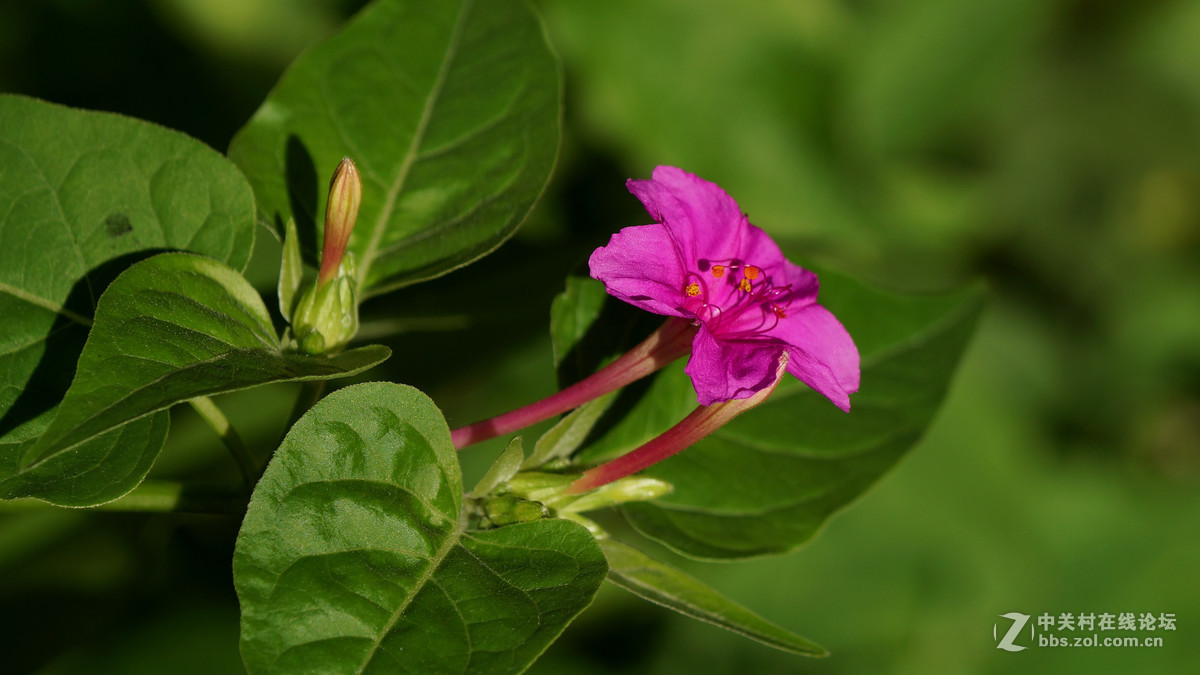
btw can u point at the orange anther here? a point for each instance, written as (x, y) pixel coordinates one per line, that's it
(751, 272)
(718, 271)
(779, 311)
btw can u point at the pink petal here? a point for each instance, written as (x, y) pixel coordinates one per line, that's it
(819, 376)
(722, 371)
(817, 339)
(640, 266)
(704, 219)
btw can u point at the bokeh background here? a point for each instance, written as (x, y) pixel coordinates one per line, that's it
(1049, 146)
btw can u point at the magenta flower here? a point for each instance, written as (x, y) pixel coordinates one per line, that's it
(703, 261)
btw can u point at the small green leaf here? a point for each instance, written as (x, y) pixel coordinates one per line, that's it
(664, 585)
(572, 314)
(449, 108)
(505, 467)
(767, 481)
(565, 437)
(168, 329)
(84, 194)
(291, 270)
(354, 555)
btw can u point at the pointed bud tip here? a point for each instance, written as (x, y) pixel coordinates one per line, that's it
(341, 212)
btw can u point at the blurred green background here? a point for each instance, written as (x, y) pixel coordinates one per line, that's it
(1050, 146)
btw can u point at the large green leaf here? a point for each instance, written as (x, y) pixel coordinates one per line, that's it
(168, 329)
(355, 555)
(664, 585)
(767, 481)
(449, 107)
(82, 195)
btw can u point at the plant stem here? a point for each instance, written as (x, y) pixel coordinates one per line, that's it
(672, 340)
(310, 393)
(216, 419)
(158, 497)
(699, 423)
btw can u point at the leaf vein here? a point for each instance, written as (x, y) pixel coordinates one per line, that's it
(410, 157)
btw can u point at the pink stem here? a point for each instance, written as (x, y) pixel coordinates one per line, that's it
(699, 423)
(672, 340)
(691, 429)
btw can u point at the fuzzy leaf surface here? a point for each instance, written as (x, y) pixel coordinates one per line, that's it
(83, 195)
(355, 555)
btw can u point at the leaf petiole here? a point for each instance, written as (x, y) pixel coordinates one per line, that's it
(215, 418)
(157, 497)
(310, 393)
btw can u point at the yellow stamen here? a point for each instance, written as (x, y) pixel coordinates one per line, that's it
(744, 285)
(693, 289)
(718, 271)
(751, 272)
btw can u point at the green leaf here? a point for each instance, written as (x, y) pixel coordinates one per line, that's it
(664, 585)
(291, 270)
(504, 468)
(354, 555)
(96, 471)
(767, 481)
(565, 437)
(82, 195)
(572, 314)
(168, 329)
(450, 109)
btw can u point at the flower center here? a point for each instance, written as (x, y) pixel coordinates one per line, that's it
(734, 299)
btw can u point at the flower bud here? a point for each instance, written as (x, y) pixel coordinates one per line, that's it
(327, 317)
(628, 489)
(341, 212)
(552, 490)
(511, 509)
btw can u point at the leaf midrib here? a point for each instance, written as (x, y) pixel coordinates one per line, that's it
(40, 447)
(411, 156)
(44, 304)
(435, 563)
(626, 580)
